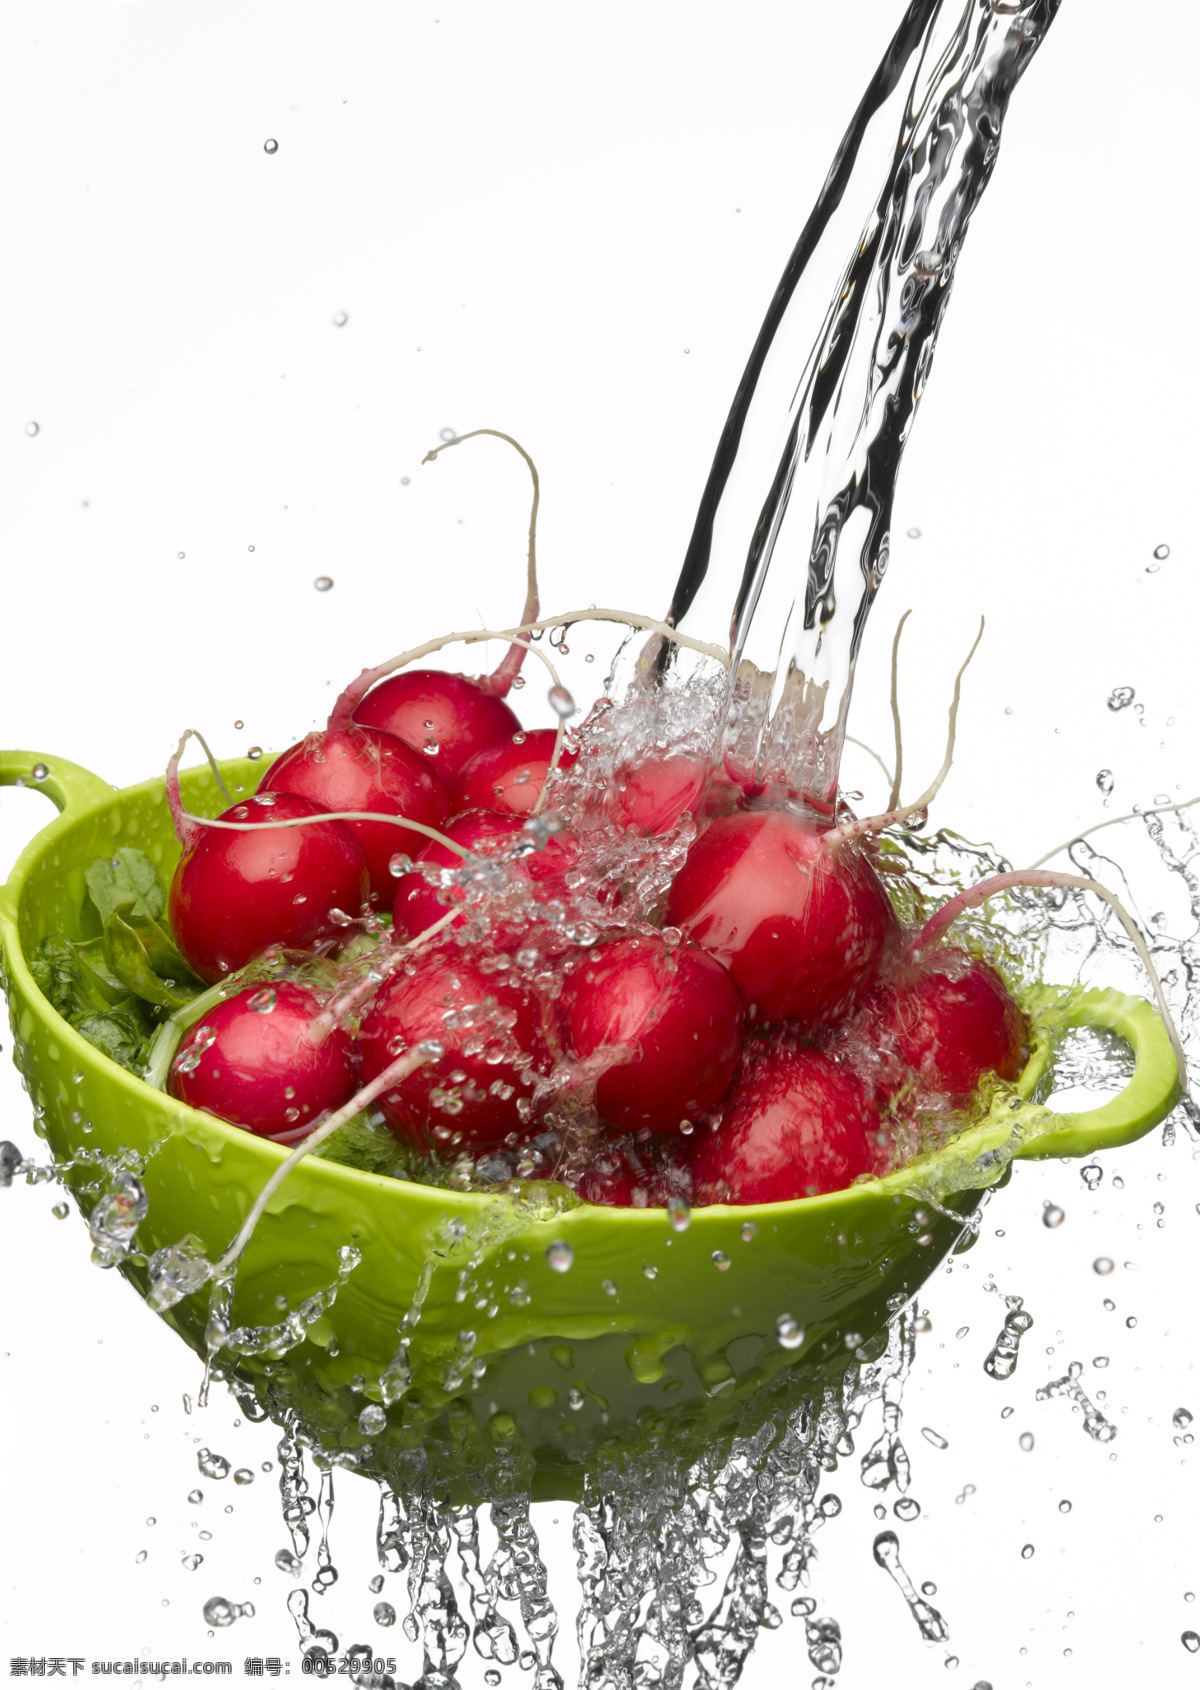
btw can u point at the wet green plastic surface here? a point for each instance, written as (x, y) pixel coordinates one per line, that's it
(648, 1328)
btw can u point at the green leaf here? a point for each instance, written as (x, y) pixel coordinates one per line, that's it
(75, 978)
(120, 1035)
(127, 876)
(144, 959)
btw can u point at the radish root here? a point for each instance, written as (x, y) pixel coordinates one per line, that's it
(1133, 816)
(895, 816)
(894, 794)
(396, 1071)
(501, 680)
(184, 823)
(938, 923)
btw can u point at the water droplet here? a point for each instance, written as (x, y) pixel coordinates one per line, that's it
(559, 1255)
(243, 1476)
(447, 434)
(1181, 1419)
(191, 1562)
(1064, 1506)
(271, 146)
(1120, 698)
(1052, 1215)
(264, 1001)
(1027, 1552)
(1100, 1361)
(962, 1332)
(39, 771)
(934, 1438)
(211, 1465)
(720, 1260)
(254, 753)
(1105, 781)
(1162, 553)
(195, 1496)
(907, 1508)
(384, 1613)
(679, 1214)
(789, 1332)
(1102, 1265)
(1131, 1322)
(914, 533)
(32, 428)
(491, 1676)
(289, 1563)
(1091, 1175)
(372, 1420)
(1026, 1441)
(561, 702)
(649, 1269)
(60, 1211)
(323, 583)
(607, 1286)
(1190, 1641)
(749, 1231)
(340, 319)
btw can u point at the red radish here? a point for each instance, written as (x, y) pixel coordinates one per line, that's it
(446, 718)
(509, 775)
(797, 1124)
(236, 891)
(800, 918)
(947, 1025)
(420, 901)
(675, 1010)
(493, 1044)
(364, 769)
(650, 797)
(254, 1060)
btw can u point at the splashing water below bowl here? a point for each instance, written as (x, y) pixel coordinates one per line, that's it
(499, 1345)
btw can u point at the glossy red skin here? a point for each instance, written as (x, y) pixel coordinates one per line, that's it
(427, 708)
(947, 1026)
(234, 893)
(650, 797)
(680, 1012)
(419, 904)
(366, 769)
(508, 775)
(802, 928)
(413, 1007)
(796, 1125)
(245, 1072)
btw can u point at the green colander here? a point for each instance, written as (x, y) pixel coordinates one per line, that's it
(521, 1339)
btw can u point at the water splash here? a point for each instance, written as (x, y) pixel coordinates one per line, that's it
(1095, 1423)
(804, 474)
(1001, 1362)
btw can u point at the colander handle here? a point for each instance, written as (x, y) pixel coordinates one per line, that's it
(1152, 1091)
(70, 788)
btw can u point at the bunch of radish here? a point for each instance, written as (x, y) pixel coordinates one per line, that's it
(541, 955)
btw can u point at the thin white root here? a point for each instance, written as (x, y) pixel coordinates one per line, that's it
(509, 667)
(337, 1009)
(938, 923)
(894, 795)
(396, 1071)
(330, 816)
(863, 746)
(894, 817)
(179, 816)
(1133, 816)
(352, 695)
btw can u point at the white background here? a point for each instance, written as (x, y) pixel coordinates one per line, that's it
(565, 222)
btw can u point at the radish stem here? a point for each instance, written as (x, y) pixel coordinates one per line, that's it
(894, 795)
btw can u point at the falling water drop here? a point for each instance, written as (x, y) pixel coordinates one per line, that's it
(1102, 1265)
(1052, 1215)
(559, 1255)
(271, 146)
(323, 583)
